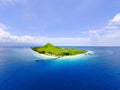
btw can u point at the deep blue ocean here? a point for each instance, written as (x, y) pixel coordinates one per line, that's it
(20, 71)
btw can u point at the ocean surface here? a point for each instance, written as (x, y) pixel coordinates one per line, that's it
(20, 71)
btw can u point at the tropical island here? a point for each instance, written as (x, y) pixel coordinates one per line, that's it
(52, 50)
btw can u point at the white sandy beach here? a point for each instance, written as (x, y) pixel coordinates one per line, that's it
(79, 55)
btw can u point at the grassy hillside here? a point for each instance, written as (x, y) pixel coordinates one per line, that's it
(50, 49)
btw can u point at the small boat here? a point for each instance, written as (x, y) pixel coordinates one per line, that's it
(37, 60)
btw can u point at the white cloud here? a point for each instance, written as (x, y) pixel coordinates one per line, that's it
(70, 41)
(3, 27)
(6, 37)
(94, 37)
(108, 35)
(115, 20)
(6, 3)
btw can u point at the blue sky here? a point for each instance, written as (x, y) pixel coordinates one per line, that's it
(61, 22)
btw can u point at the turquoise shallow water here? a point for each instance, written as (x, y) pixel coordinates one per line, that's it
(20, 71)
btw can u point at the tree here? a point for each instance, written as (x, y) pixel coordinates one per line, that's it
(42, 52)
(66, 53)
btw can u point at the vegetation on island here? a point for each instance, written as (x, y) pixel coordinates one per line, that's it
(52, 50)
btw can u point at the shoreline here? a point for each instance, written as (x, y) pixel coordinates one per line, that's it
(43, 56)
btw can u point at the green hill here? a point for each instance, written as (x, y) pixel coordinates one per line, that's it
(50, 49)
(49, 45)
